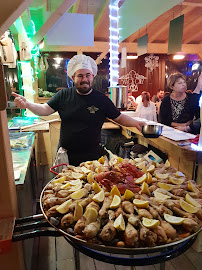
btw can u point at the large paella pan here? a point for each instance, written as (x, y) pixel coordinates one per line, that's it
(123, 206)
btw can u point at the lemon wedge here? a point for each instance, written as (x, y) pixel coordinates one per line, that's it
(150, 223)
(167, 164)
(165, 186)
(101, 160)
(85, 170)
(140, 203)
(60, 180)
(151, 169)
(76, 175)
(98, 169)
(76, 187)
(76, 195)
(74, 182)
(144, 170)
(90, 215)
(78, 212)
(128, 195)
(115, 202)
(119, 160)
(99, 197)
(190, 200)
(90, 177)
(188, 207)
(160, 196)
(141, 165)
(161, 175)
(192, 187)
(68, 185)
(145, 188)
(96, 187)
(119, 223)
(138, 160)
(115, 191)
(179, 174)
(141, 179)
(176, 181)
(173, 219)
(149, 178)
(64, 207)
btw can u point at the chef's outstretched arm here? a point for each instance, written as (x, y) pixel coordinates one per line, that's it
(39, 109)
(128, 121)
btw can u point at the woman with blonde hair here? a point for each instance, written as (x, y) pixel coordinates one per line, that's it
(146, 109)
(179, 108)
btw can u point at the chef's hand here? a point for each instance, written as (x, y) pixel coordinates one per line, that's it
(139, 125)
(20, 101)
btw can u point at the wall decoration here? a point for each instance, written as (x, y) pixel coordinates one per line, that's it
(131, 80)
(151, 62)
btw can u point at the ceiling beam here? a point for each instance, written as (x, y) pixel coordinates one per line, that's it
(100, 57)
(193, 24)
(98, 19)
(192, 37)
(166, 26)
(100, 47)
(66, 5)
(11, 11)
(76, 7)
(193, 4)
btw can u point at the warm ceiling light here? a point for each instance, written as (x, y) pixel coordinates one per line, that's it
(58, 60)
(132, 57)
(178, 57)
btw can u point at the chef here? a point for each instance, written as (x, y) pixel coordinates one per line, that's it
(82, 110)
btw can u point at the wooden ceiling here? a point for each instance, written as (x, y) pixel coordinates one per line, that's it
(158, 30)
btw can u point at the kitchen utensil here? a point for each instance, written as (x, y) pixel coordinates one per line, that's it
(152, 131)
(119, 96)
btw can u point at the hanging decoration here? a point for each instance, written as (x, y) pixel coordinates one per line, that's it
(43, 63)
(8, 54)
(131, 80)
(151, 62)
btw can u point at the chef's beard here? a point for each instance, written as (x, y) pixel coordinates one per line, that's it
(83, 89)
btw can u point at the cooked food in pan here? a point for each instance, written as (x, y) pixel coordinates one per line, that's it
(124, 203)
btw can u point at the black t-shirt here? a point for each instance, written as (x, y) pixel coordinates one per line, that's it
(82, 117)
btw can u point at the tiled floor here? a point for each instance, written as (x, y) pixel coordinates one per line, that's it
(57, 254)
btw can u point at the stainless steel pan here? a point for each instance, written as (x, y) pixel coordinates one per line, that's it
(112, 249)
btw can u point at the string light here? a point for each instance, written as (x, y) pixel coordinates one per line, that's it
(114, 39)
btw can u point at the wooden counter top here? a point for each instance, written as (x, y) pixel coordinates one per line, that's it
(40, 128)
(183, 158)
(110, 125)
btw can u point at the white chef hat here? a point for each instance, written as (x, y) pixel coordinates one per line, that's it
(81, 61)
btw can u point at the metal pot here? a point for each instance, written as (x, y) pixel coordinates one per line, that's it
(119, 96)
(152, 131)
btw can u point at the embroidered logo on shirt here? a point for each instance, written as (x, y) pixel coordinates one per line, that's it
(92, 109)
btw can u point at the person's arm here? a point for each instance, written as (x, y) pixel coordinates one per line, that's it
(154, 112)
(39, 109)
(128, 121)
(165, 113)
(199, 85)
